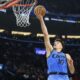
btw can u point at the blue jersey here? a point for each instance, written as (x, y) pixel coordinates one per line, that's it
(57, 62)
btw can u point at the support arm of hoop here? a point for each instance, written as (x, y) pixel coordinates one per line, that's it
(9, 4)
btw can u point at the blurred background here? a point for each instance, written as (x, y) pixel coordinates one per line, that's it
(22, 51)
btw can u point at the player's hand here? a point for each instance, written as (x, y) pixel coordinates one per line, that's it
(38, 14)
(70, 62)
(40, 11)
(69, 59)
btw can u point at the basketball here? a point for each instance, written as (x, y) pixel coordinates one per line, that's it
(40, 10)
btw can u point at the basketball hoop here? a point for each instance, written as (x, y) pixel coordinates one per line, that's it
(3, 2)
(22, 12)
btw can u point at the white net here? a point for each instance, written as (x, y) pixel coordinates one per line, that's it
(22, 12)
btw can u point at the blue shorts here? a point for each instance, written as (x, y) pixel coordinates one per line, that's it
(58, 77)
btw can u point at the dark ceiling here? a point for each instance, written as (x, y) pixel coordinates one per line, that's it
(63, 6)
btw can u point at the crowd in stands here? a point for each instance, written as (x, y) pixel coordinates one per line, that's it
(20, 62)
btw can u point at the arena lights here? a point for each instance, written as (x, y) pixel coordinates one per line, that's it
(64, 20)
(46, 19)
(74, 36)
(2, 30)
(29, 33)
(63, 36)
(41, 35)
(61, 20)
(54, 19)
(21, 33)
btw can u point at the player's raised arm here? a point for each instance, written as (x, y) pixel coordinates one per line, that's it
(40, 11)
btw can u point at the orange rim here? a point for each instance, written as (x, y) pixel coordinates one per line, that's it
(24, 5)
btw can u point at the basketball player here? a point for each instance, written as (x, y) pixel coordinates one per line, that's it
(8, 3)
(57, 62)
